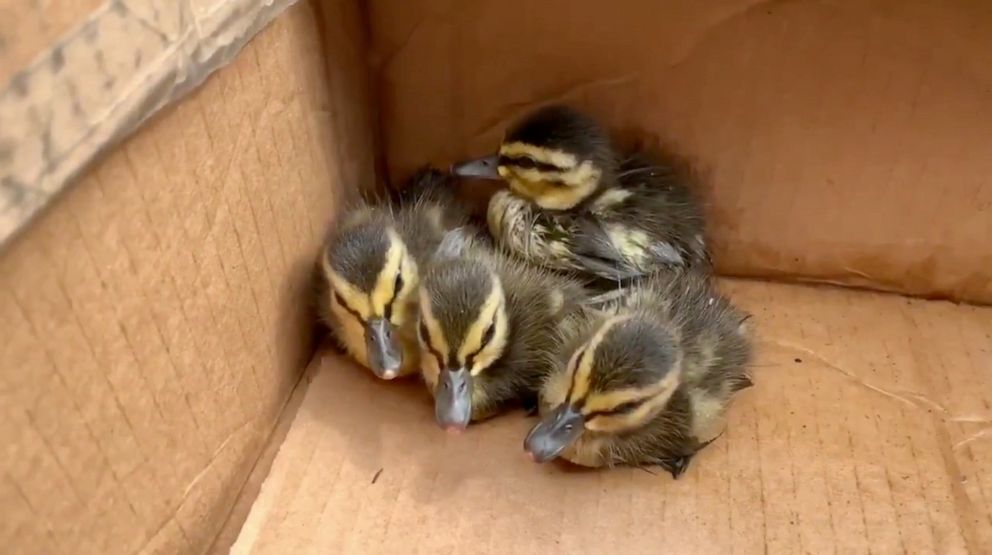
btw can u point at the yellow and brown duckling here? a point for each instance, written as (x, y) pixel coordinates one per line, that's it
(369, 270)
(648, 381)
(488, 329)
(573, 204)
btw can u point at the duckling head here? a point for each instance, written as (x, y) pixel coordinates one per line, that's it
(373, 279)
(463, 331)
(556, 157)
(615, 382)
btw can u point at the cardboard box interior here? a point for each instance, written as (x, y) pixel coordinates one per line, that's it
(155, 315)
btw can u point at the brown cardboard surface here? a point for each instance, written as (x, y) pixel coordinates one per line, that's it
(867, 431)
(155, 318)
(838, 141)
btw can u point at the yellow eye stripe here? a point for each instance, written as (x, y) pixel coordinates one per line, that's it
(549, 189)
(606, 402)
(580, 175)
(435, 336)
(539, 154)
(473, 337)
(655, 398)
(354, 299)
(473, 351)
(383, 293)
(581, 376)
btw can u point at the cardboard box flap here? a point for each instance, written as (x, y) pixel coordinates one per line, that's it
(867, 430)
(155, 318)
(838, 141)
(113, 68)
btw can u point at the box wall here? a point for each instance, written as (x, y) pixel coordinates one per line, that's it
(155, 317)
(837, 141)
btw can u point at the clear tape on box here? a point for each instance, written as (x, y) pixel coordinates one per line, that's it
(102, 80)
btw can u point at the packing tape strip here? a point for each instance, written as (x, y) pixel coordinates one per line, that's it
(101, 81)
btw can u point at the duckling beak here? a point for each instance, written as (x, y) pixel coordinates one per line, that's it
(453, 399)
(385, 355)
(483, 168)
(554, 433)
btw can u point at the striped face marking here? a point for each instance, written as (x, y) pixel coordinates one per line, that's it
(396, 279)
(581, 363)
(482, 342)
(552, 179)
(613, 410)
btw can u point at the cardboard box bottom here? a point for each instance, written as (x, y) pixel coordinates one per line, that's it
(865, 432)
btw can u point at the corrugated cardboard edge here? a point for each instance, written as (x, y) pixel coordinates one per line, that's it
(127, 61)
(236, 519)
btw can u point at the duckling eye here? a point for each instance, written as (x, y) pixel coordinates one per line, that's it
(488, 335)
(627, 407)
(621, 409)
(425, 339)
(525, 163)
(398, 286)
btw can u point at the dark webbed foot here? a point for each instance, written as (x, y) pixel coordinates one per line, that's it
(676, 465)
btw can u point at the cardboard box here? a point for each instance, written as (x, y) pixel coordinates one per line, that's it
(167, 171)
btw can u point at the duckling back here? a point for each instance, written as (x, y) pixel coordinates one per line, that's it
(646, 378)
(656, 204)
(571, 206)
(540, 303)
(425, 210)
(715, 351)
(714, 335)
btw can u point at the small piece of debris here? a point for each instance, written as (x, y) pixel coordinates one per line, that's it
(376, 477)
(797, 359)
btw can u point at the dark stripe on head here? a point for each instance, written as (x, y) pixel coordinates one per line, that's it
(575, 370)
(347, 308)
(622, 408)
(527, 163)
(359, 254)
(425, 336)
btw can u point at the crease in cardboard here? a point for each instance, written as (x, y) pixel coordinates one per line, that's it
(215, 456)
(101, 81)
(983, 433)
(386, 60)
(912, 399)
(512, 111)
(964, 507)
(909, 398)
(156, 535)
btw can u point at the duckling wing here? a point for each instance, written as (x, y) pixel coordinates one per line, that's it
(619, 255)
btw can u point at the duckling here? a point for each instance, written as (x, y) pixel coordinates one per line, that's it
(368, 272)
(488, 329)
(647, 381)
(572, 206)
